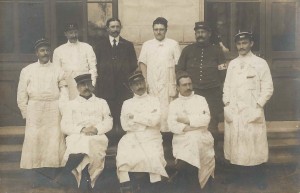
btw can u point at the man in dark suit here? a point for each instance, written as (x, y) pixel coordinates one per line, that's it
(116, 60)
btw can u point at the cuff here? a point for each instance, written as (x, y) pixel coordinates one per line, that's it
(194, 120)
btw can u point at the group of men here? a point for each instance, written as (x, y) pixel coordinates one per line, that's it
(88, 91)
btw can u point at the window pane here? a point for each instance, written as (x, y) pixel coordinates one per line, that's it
(98, 13)
(65, 13)
(218, 17)
(32, 25)
(6, 29)
(283, 26)
(248, 19)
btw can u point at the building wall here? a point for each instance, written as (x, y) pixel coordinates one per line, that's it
(137, 17)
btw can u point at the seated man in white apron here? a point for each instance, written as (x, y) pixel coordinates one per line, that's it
(193, 144)
(140, 150)
(85, 122)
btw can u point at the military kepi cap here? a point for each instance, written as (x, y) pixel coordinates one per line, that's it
(202, 25)
(71, 26)
(135, 76)
(243, 35)
(83, 78)
(41, 42)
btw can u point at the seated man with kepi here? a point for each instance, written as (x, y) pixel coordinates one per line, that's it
(140, 150)
(85, 122)
(193, 144)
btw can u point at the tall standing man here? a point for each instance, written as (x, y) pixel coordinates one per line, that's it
(75, 58)
(247, 88)
(40, 88)
(206, 65)
(116, 60)
(157, 61)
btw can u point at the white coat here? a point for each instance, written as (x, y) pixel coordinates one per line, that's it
(160, 57)
(38, 95)
(140, 149)
(80, 113)
(247, 88)
(194, 147)
(75, 59)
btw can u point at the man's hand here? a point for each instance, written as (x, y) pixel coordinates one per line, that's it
(89, 130)
(183, 119)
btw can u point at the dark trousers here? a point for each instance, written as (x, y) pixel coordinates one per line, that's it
(140, 183)
(213, 97)
(187, 178)
(256, 174)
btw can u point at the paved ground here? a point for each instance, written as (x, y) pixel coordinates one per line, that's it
(279, 180)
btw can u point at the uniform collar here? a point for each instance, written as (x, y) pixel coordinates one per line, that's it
(204, 44)
(139, 97)
(44, 65)
(72, 44)
(185, 97)
(82, 99)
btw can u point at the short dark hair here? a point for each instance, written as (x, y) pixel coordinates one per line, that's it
(112, 19)
(180, 76)
(160, 20)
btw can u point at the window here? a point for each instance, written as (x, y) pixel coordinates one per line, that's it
(227, 18)
(283, 16)
(22, 22)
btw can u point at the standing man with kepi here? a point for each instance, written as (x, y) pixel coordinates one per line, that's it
(75, 58)
(247, 88)
(41, 88)
(116, 60)
(157, 61)
(205, 63)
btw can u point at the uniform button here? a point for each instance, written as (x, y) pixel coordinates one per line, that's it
(201, 71)
(200, 79)
(200, 74)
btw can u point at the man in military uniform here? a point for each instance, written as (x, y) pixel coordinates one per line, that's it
(205, 63)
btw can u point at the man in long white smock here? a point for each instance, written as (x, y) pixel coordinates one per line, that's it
(157, 61)
(193, 144)
(248, 86)
(140, 149)
(85, 122)
(75, 58)
(41, 88)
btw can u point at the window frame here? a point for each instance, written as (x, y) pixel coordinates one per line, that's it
(50, 25)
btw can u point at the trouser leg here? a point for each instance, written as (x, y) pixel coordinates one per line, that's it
(73, 161)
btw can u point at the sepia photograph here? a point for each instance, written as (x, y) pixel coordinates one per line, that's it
(149, 96)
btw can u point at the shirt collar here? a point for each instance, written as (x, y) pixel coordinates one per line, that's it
(248, 55)
(111, 40)
(160, 43)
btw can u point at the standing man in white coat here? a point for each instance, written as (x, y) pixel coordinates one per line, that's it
(157, 61)
(140, 150)
(41, 88)
(247, 88)
(75, 58)
(85, 122)
(193, 144)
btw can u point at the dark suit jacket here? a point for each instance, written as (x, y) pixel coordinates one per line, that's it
(113, 67)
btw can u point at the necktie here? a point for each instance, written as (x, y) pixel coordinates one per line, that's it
(114, 43)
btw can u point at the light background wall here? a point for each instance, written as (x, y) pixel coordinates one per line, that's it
(137, 17)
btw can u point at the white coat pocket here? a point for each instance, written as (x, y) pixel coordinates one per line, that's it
(255, 115)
